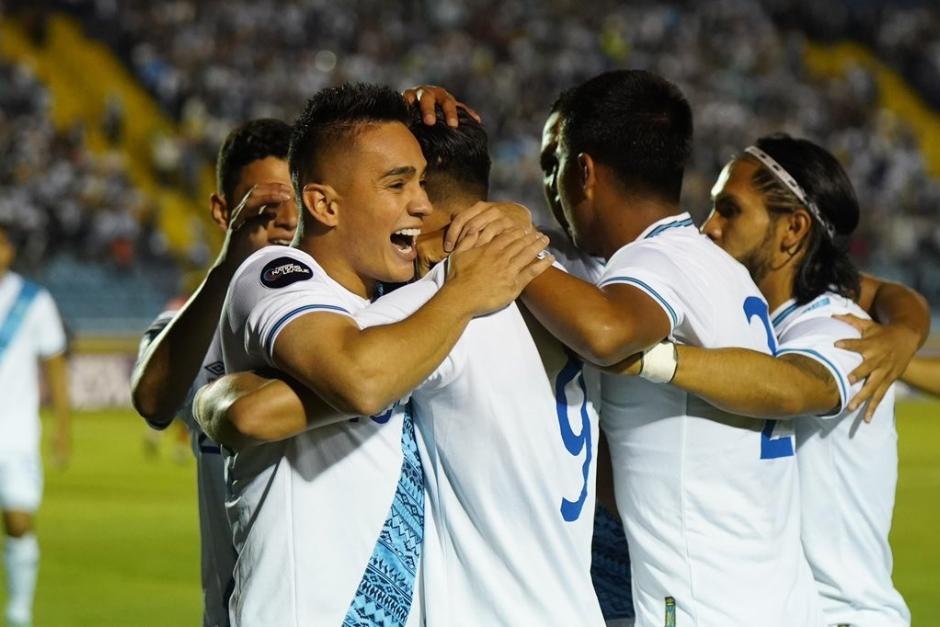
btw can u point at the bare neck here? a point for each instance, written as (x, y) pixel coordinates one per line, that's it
(777, 285)
(331, 257)
(623, 216)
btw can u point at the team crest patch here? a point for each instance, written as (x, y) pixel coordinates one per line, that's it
(283, 271)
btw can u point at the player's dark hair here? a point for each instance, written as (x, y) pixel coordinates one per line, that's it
(335, 114)
(246, 143)
(561, 101)
(826, 264)
(457, 157)
(637, 123)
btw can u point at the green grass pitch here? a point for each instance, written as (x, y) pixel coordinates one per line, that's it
(120, 544)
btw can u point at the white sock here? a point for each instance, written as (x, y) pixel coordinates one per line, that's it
(21, 560)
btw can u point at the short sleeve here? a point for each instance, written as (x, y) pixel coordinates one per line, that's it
(50, 336)
(651, 270)
(815, 338)
(271, 291)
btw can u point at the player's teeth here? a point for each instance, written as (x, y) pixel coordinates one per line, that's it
(408, 232)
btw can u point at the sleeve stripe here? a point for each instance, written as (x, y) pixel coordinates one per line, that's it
(646, 288)
(843, 387)
(292, 314)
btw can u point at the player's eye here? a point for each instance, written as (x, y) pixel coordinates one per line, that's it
(397, 185)
(727, 208)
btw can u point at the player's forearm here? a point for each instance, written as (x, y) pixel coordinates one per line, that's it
(923, 373)
(581, 317)
(749, 383)
(893, 304)
(163, 376)
(247, 408)
(382, 364)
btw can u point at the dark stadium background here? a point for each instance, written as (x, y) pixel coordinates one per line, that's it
(112, 113)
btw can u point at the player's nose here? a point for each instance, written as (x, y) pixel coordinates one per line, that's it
(712, 228)
(420, 206)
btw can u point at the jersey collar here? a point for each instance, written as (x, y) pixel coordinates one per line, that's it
(679, 220)
(782, 312)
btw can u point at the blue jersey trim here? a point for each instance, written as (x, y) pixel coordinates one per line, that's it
(671, 225)
(783, 314)
(646, 288)
(835, 371)
(286, 317)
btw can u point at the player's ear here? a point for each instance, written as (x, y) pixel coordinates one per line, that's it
(218, 209)
(587, 170)
(798, 225)
(321, 202)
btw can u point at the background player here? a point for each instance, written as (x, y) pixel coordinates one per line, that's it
(30, 332)
(254, 204)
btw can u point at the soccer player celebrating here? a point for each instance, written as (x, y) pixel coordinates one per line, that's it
(784, 209)
(680, 466)
(480, 566)
(30, 332)
(254, 204)
(358, 172)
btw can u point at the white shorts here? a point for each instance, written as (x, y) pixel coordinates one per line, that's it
(20, 482)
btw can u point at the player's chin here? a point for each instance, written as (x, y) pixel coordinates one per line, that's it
(398, 270)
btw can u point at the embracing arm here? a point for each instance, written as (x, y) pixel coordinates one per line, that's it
(162, 376)
(742, 381)
(364, 371)
(886, 348)
(923, 373)
(603, 325)
(750, 383)
(246, 408)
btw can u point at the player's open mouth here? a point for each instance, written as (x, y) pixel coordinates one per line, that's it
(404, 240)
(279, 242)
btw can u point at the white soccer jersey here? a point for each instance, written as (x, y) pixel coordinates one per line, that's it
(306, 512)
(848, 475)
(509, 472)
(709, 500)
(215, 533)
(573, 260)
(38, 334)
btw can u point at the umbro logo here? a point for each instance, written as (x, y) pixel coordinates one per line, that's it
(216, 368)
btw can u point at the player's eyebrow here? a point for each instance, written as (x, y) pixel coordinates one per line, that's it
(405, 170)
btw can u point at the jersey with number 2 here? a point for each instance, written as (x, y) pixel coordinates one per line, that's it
(709, 500)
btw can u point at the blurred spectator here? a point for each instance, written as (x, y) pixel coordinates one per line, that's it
(215, 63)
(64, 198)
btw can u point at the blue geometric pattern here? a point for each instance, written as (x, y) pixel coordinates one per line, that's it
(387, 588)
(610, 567)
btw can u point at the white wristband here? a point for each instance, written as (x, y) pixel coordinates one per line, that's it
(660, 363)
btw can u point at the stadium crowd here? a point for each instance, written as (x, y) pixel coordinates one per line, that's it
(216, 63)
(63, 197)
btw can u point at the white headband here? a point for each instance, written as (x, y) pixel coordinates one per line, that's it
(784, 177)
